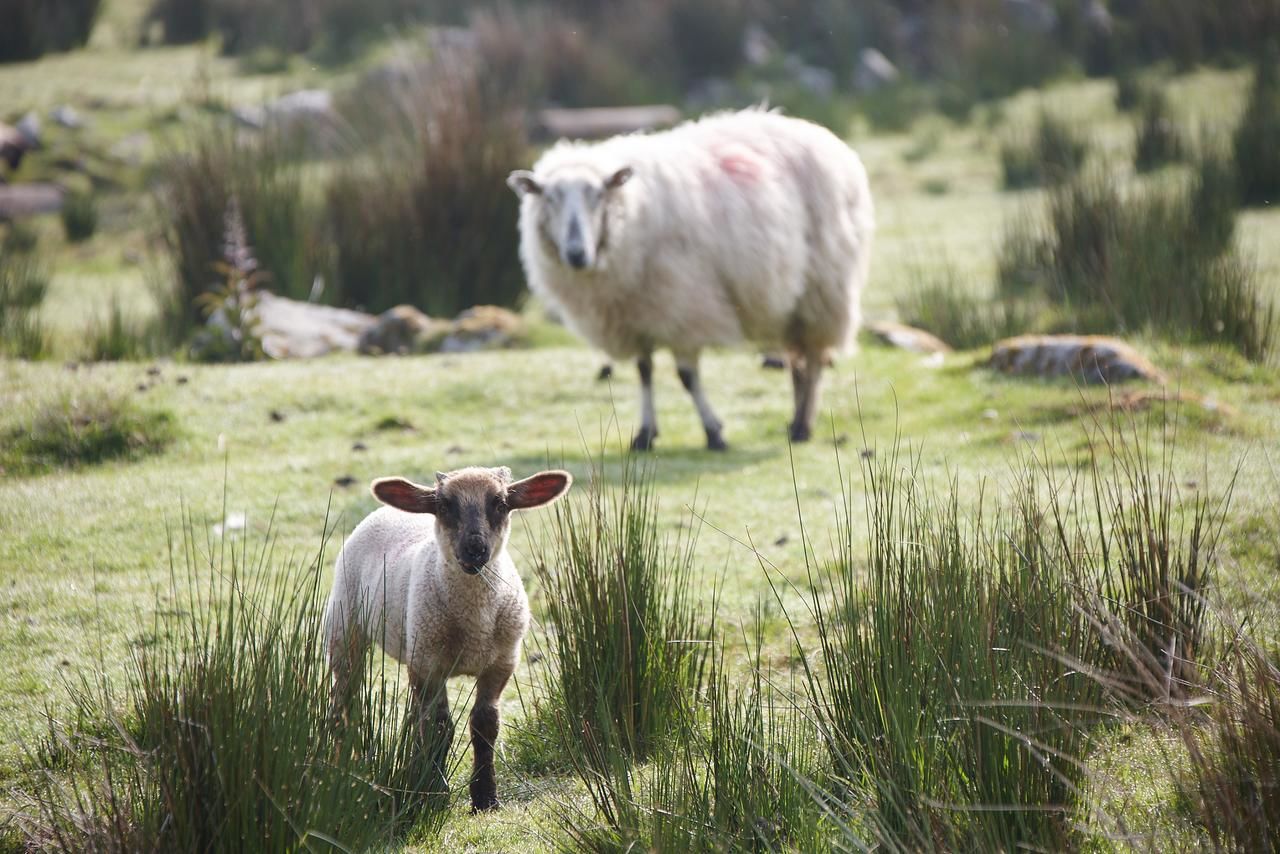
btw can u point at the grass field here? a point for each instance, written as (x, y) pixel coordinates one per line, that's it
(84, 566)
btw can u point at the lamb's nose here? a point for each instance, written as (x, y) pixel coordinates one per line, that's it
(576, 257)
(475, 551)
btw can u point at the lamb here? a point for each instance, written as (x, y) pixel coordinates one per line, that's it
(428, 576)
(739, 226)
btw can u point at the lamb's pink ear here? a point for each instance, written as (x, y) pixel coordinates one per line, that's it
(404, 495)
(617, 179)
(523, 183)
(543, 488)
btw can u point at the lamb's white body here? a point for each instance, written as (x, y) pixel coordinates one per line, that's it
(743, 226)
(747, 226)
(391, 585)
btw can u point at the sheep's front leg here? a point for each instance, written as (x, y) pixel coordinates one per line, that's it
(687, 368)
(430, 699)
(648, 431)
(484, 735)
(806, 373)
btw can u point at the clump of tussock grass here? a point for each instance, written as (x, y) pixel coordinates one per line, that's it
(24, 281)
(79, 215)
(415, 221)
(221, 737)
(119, 337)
(1054, 153)
(1159, 140)
(737, 777)
(86, 427)
(940, 304)
(1257, 138)
(629, 645)
(941, 679)
(1158, 261)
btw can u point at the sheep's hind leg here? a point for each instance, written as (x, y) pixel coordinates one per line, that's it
(687, 368)
(648, 431)
(806, 373)
(484, 735)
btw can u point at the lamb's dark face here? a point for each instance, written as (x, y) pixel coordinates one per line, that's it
(573, 211)
(473, 508)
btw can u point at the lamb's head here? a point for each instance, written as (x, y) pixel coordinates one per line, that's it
(472, 507)
(573, 209)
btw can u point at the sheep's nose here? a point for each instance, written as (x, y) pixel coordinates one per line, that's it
(475, 551)
(577, 257)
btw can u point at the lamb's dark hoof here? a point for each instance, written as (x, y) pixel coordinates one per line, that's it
(485, 806)
(644, 440)
(773, 362)
(716, 442)
(800, 432)
(606, 373)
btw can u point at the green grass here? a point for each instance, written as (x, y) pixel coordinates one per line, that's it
(83, 565)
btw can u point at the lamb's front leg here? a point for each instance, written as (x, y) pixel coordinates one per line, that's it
(430, 707)
(484, 735)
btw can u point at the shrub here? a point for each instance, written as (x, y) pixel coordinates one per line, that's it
(938, 303)
(198, 181)
(79, 215)
(628, 645)
(84, 428)
(427, 218)
(1159, 141)
(23, 284)
(1257, 139)
(1159, 260)
(1131, 90)
(221, 738)
(33, 28)
(1054, 154)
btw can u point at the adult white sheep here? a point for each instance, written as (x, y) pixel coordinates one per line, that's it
(429, 578)
(739, 226)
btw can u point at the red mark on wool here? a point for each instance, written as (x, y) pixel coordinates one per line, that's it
(740, 162)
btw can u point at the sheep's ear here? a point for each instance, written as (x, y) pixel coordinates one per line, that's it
(404, 495)
(617, 179)
(543, 488)
(523, 183)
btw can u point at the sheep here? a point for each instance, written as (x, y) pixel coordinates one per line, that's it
(428, 576)
(738, 226)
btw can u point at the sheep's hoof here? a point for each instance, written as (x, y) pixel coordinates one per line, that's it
(644, 440)
(485, 806)
(716, 442)
(800, 432)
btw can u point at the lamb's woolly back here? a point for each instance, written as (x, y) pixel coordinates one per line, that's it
(746, 225)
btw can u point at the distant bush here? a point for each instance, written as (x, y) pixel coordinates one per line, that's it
(1131, 89)
(33, 28)
(1159, 261)
(1257, 139)
(940, 304)
(24, 280)
(426, 218)
(1159, 139)
(79, 215)
(1054, 154)
(84, 428)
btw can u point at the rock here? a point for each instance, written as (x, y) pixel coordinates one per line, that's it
(601, 122)
(1032, 16)
(23, 200)
(29, 127)
(874, 71)
(307, 114)
(289, 329)
(483, 327)
(814, 80)
(67, 117)
(907, 337)
(397, 330)
(758, 47)
(1091, 358)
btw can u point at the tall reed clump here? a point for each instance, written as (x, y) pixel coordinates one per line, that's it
(737, 777)
(1257, 139)
(944, 691)
(24, 280)
(425, 216)
(1054, 153)
(198, 181)
(1159, 140)
(1159, 260)
(221, 737)
(940, 304)
(629, 644)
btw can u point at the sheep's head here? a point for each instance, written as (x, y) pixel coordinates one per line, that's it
(472, 507)
(573, 209)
